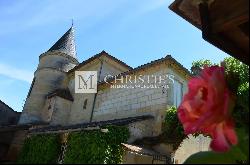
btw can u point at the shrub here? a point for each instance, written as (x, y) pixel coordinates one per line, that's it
(172, 128)
(96, 147)
(40, 149)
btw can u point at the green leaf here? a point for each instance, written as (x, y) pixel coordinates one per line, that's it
(210, 157)
(243, 145)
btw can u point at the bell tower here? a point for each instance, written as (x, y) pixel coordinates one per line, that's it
(49, 76)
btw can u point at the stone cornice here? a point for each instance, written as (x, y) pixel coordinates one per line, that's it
(58, 53)
(50, 69)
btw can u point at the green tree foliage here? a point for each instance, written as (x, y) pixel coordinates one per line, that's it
(96, 147)
(172, 128)
(40, 149)
(197, 66)
(202, 63)
(238, 68)
(238, 79)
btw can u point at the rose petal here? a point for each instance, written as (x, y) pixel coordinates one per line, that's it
(219, 142)
(230, 133)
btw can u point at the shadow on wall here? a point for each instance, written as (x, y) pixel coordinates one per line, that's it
(7, 117)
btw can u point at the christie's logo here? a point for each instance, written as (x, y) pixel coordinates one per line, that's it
(86, 82)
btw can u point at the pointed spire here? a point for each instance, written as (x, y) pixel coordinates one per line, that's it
(66, 43)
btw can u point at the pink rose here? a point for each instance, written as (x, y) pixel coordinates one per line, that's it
(207, 107)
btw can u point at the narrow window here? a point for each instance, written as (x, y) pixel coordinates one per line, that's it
(85, 103)
(177, 93)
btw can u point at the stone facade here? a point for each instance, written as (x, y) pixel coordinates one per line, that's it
(134, 158)
(104, 66)
(56, 72)
(57, 110)
(49, 76)
(124, 102)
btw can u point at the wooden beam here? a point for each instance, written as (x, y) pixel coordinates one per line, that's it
(175, 7)
(225, 25)
(228, 13)
(218, 39)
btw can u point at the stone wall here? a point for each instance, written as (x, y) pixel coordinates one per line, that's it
(138, 130)
(147, 128)
(80, 112)
(57, 60)
(190, 146)
(46, 81)
(114, 103)
(49, 76)
(111, 68)
(60, 111)
(48, 108)
(135, 158)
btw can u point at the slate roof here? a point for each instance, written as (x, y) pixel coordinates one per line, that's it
(118, 122)
(63, 93)
(97, 56)
(66, 44)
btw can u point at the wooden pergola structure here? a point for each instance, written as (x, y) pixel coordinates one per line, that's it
(224, 23)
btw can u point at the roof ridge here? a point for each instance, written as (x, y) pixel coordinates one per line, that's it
(105, 53)
(97, 56)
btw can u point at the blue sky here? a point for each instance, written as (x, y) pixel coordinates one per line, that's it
(134, 31)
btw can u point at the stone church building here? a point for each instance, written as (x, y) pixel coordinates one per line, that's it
(52, 98)
(53, 103)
